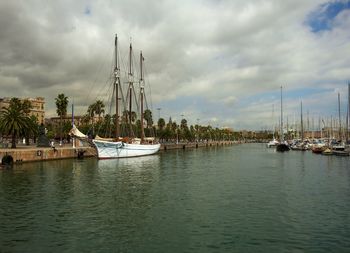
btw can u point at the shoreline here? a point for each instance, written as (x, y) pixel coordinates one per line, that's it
(24, 154)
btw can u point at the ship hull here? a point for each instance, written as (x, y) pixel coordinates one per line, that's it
(111, 150)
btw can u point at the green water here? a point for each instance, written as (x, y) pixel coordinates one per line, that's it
(244, 198)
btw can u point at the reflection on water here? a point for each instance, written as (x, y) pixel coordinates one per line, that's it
(222, 199)
(137, 164)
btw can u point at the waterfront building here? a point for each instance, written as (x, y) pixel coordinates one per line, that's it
(37, 110)
(55, 121)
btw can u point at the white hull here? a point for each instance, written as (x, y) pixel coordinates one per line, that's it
(272, 143)
(109, 149)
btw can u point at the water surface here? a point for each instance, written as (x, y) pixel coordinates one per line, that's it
(242, 198)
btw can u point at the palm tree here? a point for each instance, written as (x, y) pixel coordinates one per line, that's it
(99, 108)
(125, 116)
(14, 120)
(61, 105)
(32, 131)
(148, 117)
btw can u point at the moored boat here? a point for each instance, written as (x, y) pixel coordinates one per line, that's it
(327, 151)
(272, 144)
(340, 153)
(282, 146)
(126, 146)
(318, 149)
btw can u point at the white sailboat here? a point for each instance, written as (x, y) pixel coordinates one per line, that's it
(119, 147)
(283, 145)
(273, 143)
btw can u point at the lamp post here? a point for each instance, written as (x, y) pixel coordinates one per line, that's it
(197, 130)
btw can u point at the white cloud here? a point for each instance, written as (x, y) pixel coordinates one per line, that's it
(221, 52)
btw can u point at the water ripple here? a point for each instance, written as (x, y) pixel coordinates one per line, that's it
(222, 199)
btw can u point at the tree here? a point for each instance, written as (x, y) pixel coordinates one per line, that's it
(98, 108)
(32, 131)
(61, 105)
(125, 116)
(148, 117)
(161, 123)
(14, 120)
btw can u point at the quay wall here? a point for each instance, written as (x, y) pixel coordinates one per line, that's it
(41, 154)
(169, 146)
(32, 154)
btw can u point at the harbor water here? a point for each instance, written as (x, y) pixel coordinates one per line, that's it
(242, 198)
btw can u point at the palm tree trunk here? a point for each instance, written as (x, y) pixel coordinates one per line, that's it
(60, 129)
(13, 141)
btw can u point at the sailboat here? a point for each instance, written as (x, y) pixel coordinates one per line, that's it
(273, 142)
(282, 146)
(300, 145)
(129, 146)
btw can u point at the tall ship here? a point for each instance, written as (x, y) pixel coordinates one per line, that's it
(121, 146)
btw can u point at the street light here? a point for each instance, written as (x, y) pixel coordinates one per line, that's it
(197, 130)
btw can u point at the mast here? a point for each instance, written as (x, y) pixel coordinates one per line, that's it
(287, 129)
(282, 138)
(348, 121)
(116, 87)
(130, 89)
(142, 94)
(340, 137)
(332, 127)
(301, 121)
(274, 127)
(73, 141)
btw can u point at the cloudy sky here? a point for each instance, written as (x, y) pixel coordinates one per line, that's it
(213, 61)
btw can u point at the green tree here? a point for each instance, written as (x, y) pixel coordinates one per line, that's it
(183, 124)
(161, 123)
(125, 117)
(61, 109)
(98, 108)
(148, 117)
(32, 131)
(14, 120)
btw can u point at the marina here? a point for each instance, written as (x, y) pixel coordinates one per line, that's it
(146, 126)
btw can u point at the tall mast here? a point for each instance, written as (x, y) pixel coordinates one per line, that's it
(282, 138)
(348, 121)
(339, 116)
(116, 87)
(273, 119)
(332, 127)
(130, 89)
(142, 94)
(301, 121)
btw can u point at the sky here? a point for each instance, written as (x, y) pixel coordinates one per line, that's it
(209, 61)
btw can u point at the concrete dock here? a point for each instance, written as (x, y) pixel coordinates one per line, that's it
(32, 153)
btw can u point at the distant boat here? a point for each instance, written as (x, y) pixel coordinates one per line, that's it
(282, 146)
(300, 145)
(127, 146)
(272, 144)
(318, 146)
(318, 150)
(341, 153)
(327, 151)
